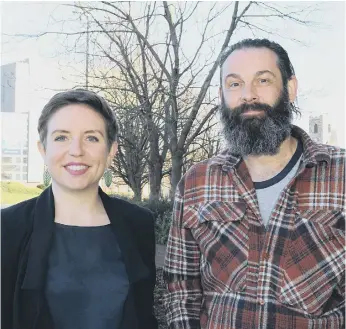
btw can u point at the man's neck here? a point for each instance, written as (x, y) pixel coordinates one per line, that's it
(80, 208)
(264, 167)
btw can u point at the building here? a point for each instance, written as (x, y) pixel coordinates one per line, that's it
(14, 146)
(21, 160)
(323, 131)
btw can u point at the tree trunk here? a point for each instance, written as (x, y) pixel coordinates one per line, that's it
(155, 163)
(137, 190)
(177, 166)
(155, 177)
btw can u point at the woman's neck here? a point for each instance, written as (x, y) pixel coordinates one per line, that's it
(79, 208)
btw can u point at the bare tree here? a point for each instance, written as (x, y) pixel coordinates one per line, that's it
(173, 74)
(144, 49)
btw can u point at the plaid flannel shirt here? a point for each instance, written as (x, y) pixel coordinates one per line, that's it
(225, 270)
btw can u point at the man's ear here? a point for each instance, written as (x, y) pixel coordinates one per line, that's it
(292, 86)
(220, 95)
(41, 149)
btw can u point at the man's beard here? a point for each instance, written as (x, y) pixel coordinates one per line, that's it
(260, 134)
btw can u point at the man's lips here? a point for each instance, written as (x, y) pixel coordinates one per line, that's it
(253, 113)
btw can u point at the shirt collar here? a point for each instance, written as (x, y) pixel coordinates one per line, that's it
(313, 152)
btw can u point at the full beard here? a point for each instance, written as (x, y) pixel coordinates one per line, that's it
(257, 135)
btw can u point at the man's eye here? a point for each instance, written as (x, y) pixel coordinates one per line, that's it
(60, 138)
(234, 85)
(263, 81)
(92, 139)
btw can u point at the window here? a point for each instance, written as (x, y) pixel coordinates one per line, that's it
(315, 128)
(11, 168)
(25, 177)
(17, 176)
(6, 160)
(6, 176)
(25, 151)
(25, 160)
(329, 128)
(18, 160)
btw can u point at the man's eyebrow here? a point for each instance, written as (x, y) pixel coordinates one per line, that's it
(233, 75)
(258, 73)
(265, 71)
(94, 132)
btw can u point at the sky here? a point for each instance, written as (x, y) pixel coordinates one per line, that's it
(319, 61)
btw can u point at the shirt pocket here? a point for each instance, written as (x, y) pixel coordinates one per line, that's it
(315, 261)
(221, 232)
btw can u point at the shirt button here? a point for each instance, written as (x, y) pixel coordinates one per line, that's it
(261, 301)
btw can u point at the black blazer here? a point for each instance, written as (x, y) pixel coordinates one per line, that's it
(26, 234)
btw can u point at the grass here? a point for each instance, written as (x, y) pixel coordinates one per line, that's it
(14, 192)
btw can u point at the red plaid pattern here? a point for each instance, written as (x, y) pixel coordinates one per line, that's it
(225, 270)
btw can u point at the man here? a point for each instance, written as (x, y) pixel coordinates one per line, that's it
(257, 239)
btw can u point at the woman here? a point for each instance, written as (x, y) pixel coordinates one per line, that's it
(74, 257)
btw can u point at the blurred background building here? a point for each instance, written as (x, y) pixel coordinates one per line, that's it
(20, 159)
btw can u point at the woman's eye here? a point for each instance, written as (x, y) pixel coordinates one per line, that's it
(60, 138)
(92, 139)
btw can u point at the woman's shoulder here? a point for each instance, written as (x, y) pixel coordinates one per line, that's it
(18, 215)
(130, 208)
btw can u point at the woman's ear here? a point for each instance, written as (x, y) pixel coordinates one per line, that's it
(41, 149)
(112, 153)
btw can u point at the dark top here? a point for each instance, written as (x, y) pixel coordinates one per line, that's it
(27, 231)
(87, 283)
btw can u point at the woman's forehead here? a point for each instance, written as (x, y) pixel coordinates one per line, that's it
(76, 117)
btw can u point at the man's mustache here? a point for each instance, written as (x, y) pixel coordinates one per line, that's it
(246, 107)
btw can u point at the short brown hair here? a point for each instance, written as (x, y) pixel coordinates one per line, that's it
(79, 96)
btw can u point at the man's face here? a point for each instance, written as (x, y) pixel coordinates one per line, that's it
(255, 111)
(251, 76)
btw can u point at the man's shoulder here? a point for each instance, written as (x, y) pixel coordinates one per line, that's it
(199, 174)
(336, 151)
(213, 164)
(336, 154)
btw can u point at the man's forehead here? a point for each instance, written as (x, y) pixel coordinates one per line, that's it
(250, 60)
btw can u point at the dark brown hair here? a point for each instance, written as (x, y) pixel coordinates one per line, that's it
(79, 96)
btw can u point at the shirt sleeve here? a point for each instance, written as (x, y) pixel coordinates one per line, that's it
(182, 273)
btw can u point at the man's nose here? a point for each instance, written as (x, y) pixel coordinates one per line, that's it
(249, 94)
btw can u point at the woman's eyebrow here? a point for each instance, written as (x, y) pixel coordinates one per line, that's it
(94, 132)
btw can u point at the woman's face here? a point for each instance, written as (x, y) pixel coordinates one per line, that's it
(76, 151)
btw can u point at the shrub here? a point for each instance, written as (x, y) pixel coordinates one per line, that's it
(162, 210)
(162, 227)
(41, 186)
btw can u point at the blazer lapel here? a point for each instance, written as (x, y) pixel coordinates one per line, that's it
(43, 228)
(135, 267)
